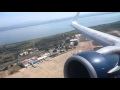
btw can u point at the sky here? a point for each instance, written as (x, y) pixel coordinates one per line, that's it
(12, 18)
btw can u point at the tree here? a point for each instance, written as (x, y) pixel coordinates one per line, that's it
(75, 43)
(67, 41)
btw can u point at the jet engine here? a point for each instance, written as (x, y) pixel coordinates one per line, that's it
(93, 64)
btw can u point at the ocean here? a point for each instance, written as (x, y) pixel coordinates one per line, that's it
(43, 30)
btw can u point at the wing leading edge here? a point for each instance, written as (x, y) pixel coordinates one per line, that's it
(100, 37)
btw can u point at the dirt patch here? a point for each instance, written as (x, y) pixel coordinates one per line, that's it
(4, 74)
(52, 68)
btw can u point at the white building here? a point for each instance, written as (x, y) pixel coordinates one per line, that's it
(77, 36)
(42, 58)
(25, 53)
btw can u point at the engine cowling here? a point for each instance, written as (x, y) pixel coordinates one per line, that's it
(90, 64)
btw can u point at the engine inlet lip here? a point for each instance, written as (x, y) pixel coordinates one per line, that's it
(82, 60)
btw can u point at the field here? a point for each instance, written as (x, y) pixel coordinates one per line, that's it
(51, 68)
(54, 68)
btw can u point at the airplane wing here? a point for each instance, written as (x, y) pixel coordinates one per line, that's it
(100, 37)
(92, 61)
(112, 42)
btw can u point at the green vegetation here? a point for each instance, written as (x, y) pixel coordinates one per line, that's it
(14, 69)
(9, 52)
(40, 43)
(14, 47)
(108, 27)
(54, 41)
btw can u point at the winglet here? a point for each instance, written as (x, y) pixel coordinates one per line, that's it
(76, 17)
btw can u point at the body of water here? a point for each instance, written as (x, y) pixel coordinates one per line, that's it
(43, 30)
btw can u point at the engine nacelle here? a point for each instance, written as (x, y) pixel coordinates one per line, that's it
(90, 64)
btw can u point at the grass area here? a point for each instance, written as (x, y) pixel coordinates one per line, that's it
(14, 69)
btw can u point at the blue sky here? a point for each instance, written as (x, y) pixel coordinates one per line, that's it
(12, 18)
